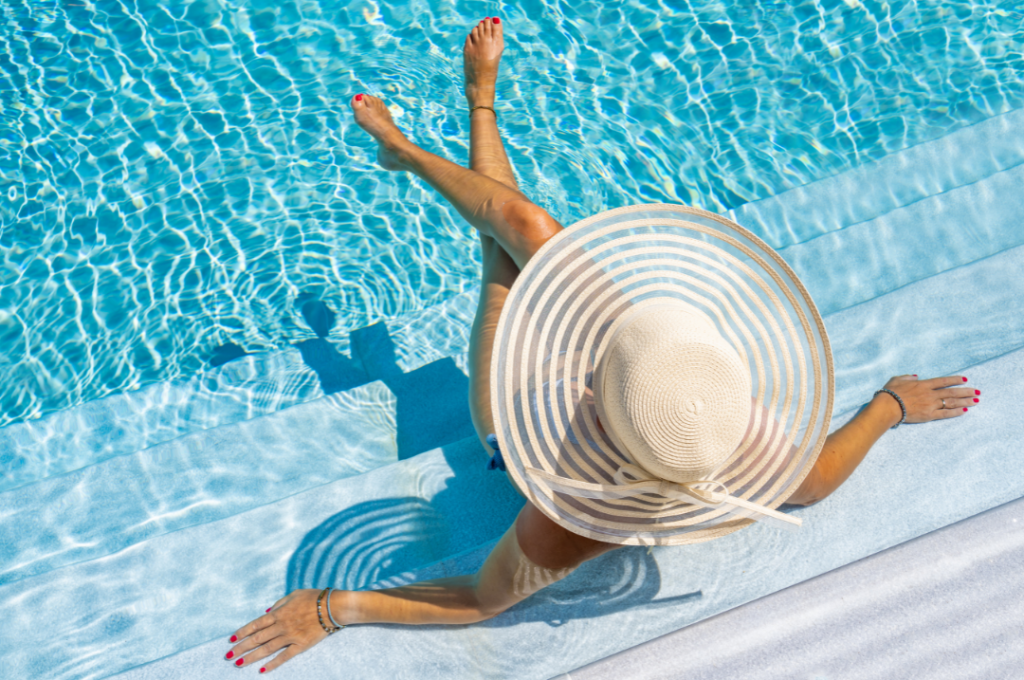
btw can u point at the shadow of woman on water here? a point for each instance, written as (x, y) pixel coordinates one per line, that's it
(394, 538)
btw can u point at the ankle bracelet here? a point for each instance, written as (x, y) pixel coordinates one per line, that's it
(483, 107)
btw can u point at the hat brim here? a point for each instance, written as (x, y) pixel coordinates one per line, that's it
(553, 331)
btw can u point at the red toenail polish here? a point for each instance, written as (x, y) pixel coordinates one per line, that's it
(234, 638)
(975, 401)
(978, 392)
(965, 409)
(965, 379)
(229, 655)
(268, 609)
(497, 20)
(239, 662)
(359, 97)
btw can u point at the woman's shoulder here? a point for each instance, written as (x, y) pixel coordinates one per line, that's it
(552, 546)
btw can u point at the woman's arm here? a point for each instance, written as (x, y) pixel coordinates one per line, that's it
(507, 576)
(846, 447)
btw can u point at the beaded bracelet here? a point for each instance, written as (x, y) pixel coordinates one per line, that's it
(319, 613)
(898, 401)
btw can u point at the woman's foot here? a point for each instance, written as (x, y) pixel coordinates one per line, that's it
(373, 116)
(481, 55)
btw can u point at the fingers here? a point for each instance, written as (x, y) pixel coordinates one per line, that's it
(948, 381)
(969, 393)
(250, 643)
(944, 413)
(959, 399)
(253, 626)
(257, 655)
(280, 659)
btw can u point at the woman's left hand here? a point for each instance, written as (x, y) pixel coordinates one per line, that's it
(290, 625)
(932, 399)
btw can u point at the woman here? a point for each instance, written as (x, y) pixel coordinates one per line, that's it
(546, 543)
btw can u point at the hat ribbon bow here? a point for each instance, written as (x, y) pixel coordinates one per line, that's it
(632, 480)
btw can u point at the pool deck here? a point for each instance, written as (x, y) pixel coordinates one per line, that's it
(943, 606)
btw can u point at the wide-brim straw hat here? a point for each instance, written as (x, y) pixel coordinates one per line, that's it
(697, 347)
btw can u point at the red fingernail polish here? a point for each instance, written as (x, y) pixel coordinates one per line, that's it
(965, 379)
(229, 655)
(359, 97)
(965, 409)
(239, 662)
(975, 401)
(234, 638)
(978, 392)
(497, 20)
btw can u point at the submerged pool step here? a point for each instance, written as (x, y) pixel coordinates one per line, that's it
(202, 477)
(213, 577)
(242, 389)
(246, 461)
(633, 595)
(124, 423)
(966, 156)
(936, 234)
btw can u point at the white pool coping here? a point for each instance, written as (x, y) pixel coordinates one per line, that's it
(943, 606)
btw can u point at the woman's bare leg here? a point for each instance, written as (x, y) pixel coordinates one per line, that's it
(496, 210)
(481, 58)
(481, 55)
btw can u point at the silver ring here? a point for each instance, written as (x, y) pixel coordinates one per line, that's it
(943, 403)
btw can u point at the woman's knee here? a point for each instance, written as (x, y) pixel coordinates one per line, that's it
(530, 220)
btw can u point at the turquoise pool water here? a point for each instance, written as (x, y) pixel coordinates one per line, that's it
(173, 176)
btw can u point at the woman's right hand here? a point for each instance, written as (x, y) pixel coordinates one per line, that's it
(923, 399)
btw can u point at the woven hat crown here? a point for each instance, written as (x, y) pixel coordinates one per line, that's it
(675, 394)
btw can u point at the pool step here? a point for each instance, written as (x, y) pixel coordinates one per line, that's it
(242, 389)
(935, 234)
(963, 157)
(220, 471)
(633, 595)
(201, 477)
(124, 423)
(209, 578)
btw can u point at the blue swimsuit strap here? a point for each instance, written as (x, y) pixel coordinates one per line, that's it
(496, 462)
